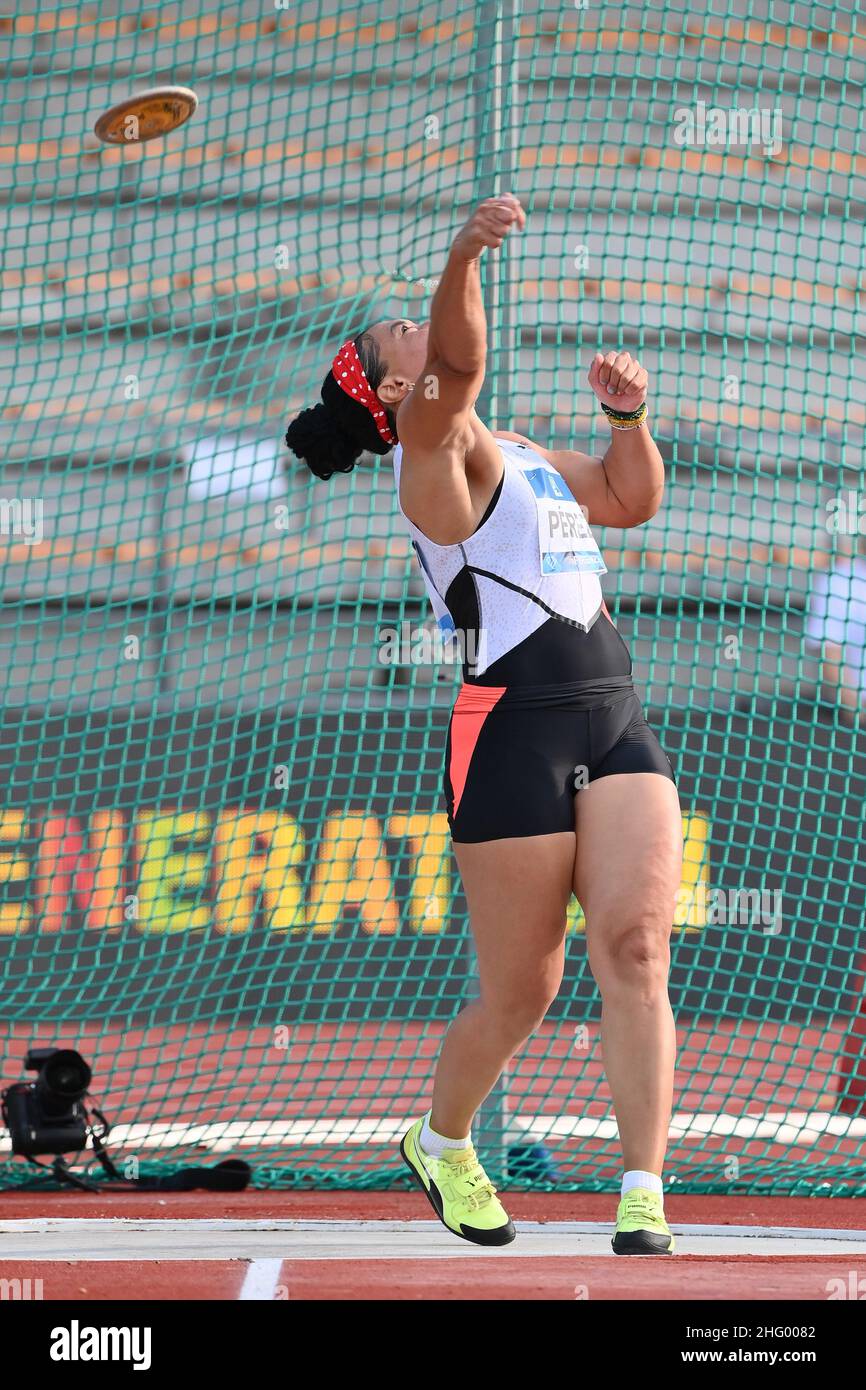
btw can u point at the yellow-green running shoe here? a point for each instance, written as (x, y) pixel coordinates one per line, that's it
(641, 1228)
(459, 1191)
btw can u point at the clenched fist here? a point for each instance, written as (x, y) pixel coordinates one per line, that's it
(619, 381)
(488, 226)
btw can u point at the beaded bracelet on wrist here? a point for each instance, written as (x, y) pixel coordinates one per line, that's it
(625, 420)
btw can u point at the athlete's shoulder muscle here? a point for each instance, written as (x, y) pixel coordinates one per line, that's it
(586, 479)
(523, 439)
(445, 487)
(553, 456)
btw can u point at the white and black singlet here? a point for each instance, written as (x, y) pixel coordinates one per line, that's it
(547, 703)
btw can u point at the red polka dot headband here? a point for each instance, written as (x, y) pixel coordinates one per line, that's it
(349, 375)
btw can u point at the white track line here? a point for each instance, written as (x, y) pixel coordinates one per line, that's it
(777, 1126)
(261, 1281)
(50, 1238)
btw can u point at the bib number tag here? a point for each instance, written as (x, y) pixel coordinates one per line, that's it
(565, 542)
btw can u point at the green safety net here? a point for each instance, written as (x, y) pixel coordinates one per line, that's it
(225, 875)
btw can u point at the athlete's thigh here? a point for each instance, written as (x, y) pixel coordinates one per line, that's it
(629, 851)
(517, 891)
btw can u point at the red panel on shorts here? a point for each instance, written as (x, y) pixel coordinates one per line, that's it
(471, 708)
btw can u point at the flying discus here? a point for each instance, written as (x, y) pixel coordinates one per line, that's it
(146, 115)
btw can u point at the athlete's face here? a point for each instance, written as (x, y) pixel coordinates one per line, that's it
(402, 345)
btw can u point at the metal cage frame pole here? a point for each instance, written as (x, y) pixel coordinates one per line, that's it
(495, 77)
(495, 74)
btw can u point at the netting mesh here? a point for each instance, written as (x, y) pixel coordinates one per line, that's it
(224, 866)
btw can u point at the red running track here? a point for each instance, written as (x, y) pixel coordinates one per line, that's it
(746, 1278)
(557, 1279)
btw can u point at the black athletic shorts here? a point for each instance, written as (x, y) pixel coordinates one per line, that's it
(515, 757)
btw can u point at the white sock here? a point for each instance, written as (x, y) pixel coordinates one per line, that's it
(436, 1144)
(635, 1177)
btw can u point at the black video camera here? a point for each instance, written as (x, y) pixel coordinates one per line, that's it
(46, 1116)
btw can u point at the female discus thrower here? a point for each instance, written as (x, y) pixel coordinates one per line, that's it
(553, 780)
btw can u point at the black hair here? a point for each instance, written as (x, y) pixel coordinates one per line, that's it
(331, 436)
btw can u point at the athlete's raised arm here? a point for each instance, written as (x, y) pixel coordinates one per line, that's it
(451, 464)
(625, 486)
